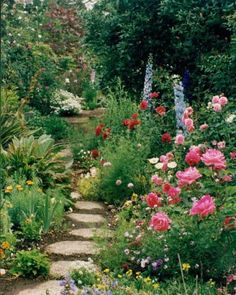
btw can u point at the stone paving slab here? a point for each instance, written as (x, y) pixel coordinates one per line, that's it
(89, 233)
(90, 207)
(86, 220)
(72, 248)
(53, 288)
(62, 268)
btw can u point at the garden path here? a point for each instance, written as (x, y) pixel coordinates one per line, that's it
(73, 253)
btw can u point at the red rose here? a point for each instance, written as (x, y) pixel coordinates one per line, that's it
(133, 123)
(166, 137)
(95, 153)
(230, 222)
(161, 110)
(144, 105)
(126, 122)
(154, 94)
(98, 129)
(106, 133)
(134, 116)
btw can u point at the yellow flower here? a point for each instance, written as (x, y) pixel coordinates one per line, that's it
(107, 270)
(127, 204)
(129, 273)
(147, 280)
(5, 245)
(19, 187)
(211, 283)
(185, 266)
(119, 276)
(156, 285)
(101, 286)
(9, 189)
(8, 205)
(138, 275)
(29, 182)
(134, 197)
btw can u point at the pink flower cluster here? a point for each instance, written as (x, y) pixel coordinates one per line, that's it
(188, 176)
(188, 122)
(218, 102)
(160, 222)
(153, 200)
(193, 157)
(214, 158)
(203, 207)
(164, 159)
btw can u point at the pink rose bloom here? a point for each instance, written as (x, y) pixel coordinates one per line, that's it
(196, 149)
(166, 187)
(189, 124)
(153, 200)
(174, 192)
(231, 278)
(192, 157)
(179, 139)
(233, 155)
(223, 100)
(170, 156)
(157, 180)
(216, 99)
(203, 207)
(214, 158)
(217, 107)
(227, 178)
(189, 111)
(188, 176)
(203, 126)
(221, 145)
(160, 222)
(174, 200)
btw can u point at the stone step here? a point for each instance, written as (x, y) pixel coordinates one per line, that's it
(89, 233)
(75, 196)
(52, 287)
(86, 220)
(90, 207)
(78, 249)
(60, 269)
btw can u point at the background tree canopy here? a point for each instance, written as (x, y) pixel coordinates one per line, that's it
(189, 34)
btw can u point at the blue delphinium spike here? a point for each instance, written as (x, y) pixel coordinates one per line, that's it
(147, 89)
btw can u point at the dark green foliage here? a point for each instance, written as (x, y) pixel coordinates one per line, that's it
(178, 33)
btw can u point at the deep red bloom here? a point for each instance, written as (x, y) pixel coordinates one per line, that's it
(230, 222)
(192, 157)
(161, 110)
(233, 155)
(144, 105)
(166, 187)
(166, 137)
(133, 123)
(154, 94)
(98, 129)
(95, 153)
(134, 116)
(126, 122)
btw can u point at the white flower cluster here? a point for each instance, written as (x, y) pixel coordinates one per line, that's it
(24, 1)
(67, 103)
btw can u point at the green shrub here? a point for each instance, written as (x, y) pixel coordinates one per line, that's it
(30, 230)
(30, 264)
(83, 277)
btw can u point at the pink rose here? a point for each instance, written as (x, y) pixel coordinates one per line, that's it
(203, 207)
(217, 107)
(189, 124)
(188, 176)
(192, 157)
(214, 158)
(153, 200)
(203, 126)
(216, 99)
(174, 192)
(169, 156)
(227, 178)
(157, 180)
(160, 222)
(179, 139)
(189, 111)
(223, 100)
(231, 278)
(233, 155)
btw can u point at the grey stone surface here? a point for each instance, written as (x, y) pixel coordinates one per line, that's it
(86, 220)
(89, 207)
(62, 268)
(53, 288)
(89, 233)
(75, 196)
(72, 248)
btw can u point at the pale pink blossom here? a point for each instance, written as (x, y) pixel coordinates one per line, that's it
(189, 124)
(153, 200)
(217, 107)
(214, 158)
(189, 111)
(157, 180)
(231, 278)
(221, 144)
(227, 178)
(215, 99)
(179, 139)
(203, 207)
(188, 176)
(204, 126)
(160, 222)
(223, 100)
